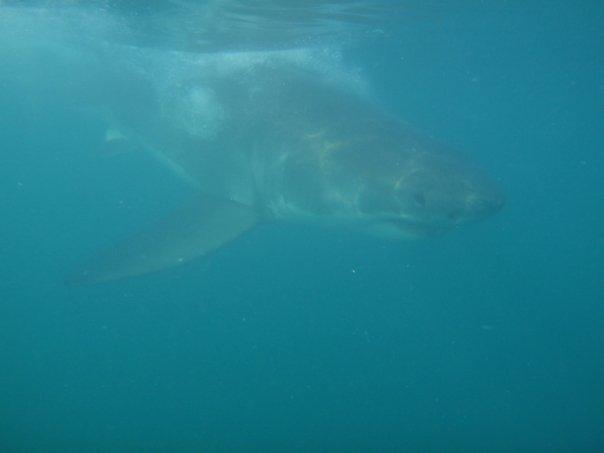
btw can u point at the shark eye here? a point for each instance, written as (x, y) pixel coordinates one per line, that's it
(453, 215)
(419, 199)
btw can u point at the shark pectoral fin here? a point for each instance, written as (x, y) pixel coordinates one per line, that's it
(194, 231)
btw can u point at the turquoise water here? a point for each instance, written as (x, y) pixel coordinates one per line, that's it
(294, 338)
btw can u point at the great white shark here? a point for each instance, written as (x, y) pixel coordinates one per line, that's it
(283, 136)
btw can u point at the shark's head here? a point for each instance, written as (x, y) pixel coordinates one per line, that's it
(390, 181)
(424, 194)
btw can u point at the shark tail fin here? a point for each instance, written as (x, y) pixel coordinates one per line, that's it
(193, 231)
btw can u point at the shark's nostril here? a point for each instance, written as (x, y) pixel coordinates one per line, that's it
(495, 203)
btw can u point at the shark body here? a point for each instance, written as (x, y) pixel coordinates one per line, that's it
(284, 136)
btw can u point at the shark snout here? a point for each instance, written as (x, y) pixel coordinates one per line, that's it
(485, 204)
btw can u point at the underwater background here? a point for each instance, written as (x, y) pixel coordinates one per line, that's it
(489, 338)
